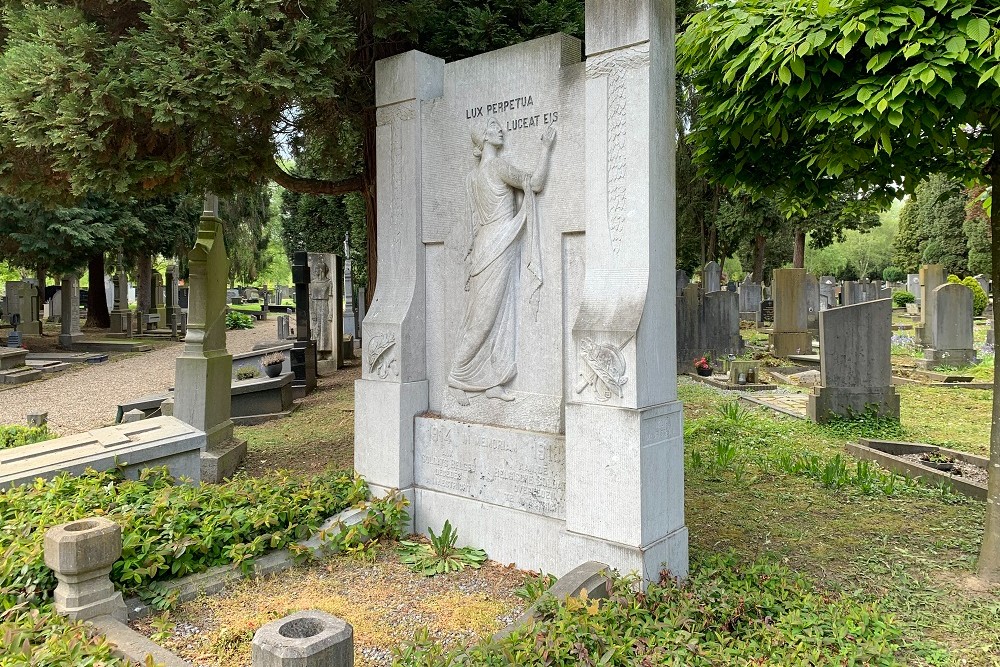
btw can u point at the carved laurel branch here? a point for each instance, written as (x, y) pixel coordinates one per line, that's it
(396, 112)
(380, 361)
(605, 64)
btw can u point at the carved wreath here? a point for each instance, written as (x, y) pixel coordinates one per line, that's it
(604, 369)
(380, 362)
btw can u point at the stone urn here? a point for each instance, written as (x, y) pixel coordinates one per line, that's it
(272, 370)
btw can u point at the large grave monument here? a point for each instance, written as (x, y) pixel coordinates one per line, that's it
(22, 301)
(791, 313)
(304, 350)
(932, 276)
(202, 387)
(855, 362)
(519, 376)
(70, 317)
(121, 316)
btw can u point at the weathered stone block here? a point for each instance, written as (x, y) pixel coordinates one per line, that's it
(305, 639)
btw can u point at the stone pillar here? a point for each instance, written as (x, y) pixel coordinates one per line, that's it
(393, 388)
(81, 554)
(932, 276)
(791, 313)
(305, 639)
(172, 308)
(265, 302)
(121, 316)
(350, 328)
(711, 277)
(202, 394)
(70, 316)
(304, 350)
(337, 310)
(623, 419)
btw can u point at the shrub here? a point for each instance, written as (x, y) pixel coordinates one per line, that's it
(168, 531)
(15, 436)
(272, 359)
(247, 373)
(901, 297)
(236, 320)
(893, 274)
(952, 278)
(979, 296)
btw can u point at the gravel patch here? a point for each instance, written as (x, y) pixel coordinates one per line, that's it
(87, 396)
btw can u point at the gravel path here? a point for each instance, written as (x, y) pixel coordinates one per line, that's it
(87, 396)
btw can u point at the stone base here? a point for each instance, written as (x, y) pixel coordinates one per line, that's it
(384, 430)
(536, 542)
(937, 358)
(86, 597)
(220, 462)
(304, 366)
(262, 396)
(33, 328)
(785, 344)
(121, 323)
(326, 367)
(66, 341)
(826, 403)
(19, 375)
(12, 357)
(750, 316)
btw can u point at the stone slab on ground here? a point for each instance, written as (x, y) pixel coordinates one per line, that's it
(113, 346)
(70, 357)
(891, 455)
(722, 382)
(47, 366)
(793, 405)
(19, 375)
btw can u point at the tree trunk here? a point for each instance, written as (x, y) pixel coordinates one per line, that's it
(144, 290)
(989, 557)
(759, 246)
(799, 254)
(40, 275)
(713, 239)
(98, 316)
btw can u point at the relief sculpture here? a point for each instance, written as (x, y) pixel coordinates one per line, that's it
(604, 369)
(502, 237)
(381, 360)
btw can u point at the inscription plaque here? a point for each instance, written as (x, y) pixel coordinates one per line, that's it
(521, 470)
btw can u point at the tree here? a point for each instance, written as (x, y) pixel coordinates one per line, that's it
(908, 248)
(941, 212)
(797, 95)
(977, 231)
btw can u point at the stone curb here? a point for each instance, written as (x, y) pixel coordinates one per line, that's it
(591, 576)
(215, 579)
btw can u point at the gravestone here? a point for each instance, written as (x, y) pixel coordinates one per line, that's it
(827, 293)
(851, 293)
(707, 323)
(950, 327)
(913, 285)
(22, 301)
(767, 310)
(855, 362)
(172, 308)
(322, 275)
(497, 382)
(284, 332)
(984, 282)
(682, 280)
(157, 299)
(749, 292)
(932, 276)
(304, 351)
(202, 395)
(791, 313)
(711, 277)
(54, 307)
(350, 314)
(70, 334)
(337, 308)
(121, 316)
(811, 286)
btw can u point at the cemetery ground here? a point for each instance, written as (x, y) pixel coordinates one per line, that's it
(859, 557)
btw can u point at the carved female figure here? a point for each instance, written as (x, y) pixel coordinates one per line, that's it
(485, 353)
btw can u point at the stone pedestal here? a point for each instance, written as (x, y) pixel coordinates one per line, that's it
(70, 317)
(81, 554)
(172, 309)
(204, 368)
(305, 639)
(304, 352)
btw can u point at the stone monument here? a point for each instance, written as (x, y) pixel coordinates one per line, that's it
(791, 313)
(711, 277)
(202, 393)
(855, 362)
(70, 316)
(750, 298)
(121, 316)
(932, 276)
(950, 327)
(172, 309)
(518, 367)
(349, 313)
(304, 350)
(322, 272)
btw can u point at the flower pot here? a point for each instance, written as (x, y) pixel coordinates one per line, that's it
(704, 372)
(273, 370)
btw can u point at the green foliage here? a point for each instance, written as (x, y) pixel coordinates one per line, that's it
(940, 213)
(247, 373)
(384, 520)
(237, 320)
(901, 297)
(979, 297)
(727, 612)
(867, 424)
(893, 274)
(797, 95)
(953, 279)
(15, 436)
(977, 231)
(168, 531)
(534, 586)
(861, 254)
(441, 556)
(39, 636)
(249, 225)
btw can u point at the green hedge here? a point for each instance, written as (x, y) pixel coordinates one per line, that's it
(168, 531)
(901, 298)
(15, 436)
